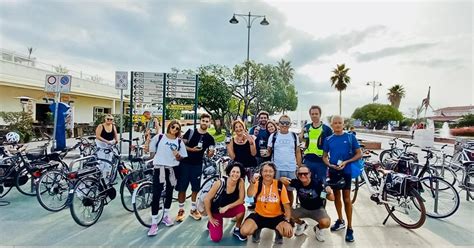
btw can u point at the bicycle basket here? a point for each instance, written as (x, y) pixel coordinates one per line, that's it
(399, 184)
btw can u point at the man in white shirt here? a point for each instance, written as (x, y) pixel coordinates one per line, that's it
(283, 147)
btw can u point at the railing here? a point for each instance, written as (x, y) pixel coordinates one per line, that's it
(13, 57)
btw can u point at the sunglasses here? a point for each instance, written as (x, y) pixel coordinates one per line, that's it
(285, 123)
(303, 174)
(175, 128)
(110, 119)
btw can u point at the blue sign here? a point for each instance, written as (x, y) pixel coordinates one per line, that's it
(64, 80)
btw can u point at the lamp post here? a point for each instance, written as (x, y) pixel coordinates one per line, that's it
(249, 19)
(373, 83)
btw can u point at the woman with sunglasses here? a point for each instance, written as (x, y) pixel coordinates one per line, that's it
(169, 150)
(242, 148)
(312, 196)
(106, 133)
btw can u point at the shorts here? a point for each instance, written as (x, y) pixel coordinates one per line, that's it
(266, 222)
(189, 173)
(317, 214)
(337, 176)
(287, 174)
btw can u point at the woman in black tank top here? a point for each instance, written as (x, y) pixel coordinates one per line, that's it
(242, 148)
(106, 132)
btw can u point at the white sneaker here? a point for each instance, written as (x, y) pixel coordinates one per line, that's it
(319, 233)
(300, 228)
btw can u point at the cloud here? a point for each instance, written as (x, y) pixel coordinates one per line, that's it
(391, 51)
(437, 63)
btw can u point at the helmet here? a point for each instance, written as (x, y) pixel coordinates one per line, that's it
(12, 137)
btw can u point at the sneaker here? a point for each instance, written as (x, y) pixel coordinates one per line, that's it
(338, 225)
(350, 235)
(167, 221)
(239, 235)
(256, 236)
(195, 214)
(180, 216)
(300, 228)
(319, 233)
(278, 238)
(153, 230)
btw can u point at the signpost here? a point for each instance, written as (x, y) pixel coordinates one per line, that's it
(121, 83)
(152, 89)
(57, 84)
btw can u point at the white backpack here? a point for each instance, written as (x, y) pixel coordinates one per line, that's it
(203, 193)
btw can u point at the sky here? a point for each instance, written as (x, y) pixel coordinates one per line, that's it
(413, 43)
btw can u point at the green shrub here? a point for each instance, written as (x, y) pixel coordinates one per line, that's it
(20, 122)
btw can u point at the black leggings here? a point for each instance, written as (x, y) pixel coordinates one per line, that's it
(158, 188)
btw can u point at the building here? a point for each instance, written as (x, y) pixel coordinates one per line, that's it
(451, 114)
(22, 82)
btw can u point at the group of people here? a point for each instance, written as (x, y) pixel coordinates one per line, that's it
(275, 161)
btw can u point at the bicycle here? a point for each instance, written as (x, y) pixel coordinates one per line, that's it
(372, 175)
(401, 206)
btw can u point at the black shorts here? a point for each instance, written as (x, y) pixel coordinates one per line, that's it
(189, 173)
(337, 176)
(266, 222)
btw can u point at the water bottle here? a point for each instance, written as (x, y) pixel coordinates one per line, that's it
(200, 143)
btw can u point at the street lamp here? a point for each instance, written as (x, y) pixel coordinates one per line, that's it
(373, 83)
(249, 19)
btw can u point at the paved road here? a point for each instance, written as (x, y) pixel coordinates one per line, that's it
(25, 223)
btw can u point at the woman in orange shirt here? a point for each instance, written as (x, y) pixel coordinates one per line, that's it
(272, 209)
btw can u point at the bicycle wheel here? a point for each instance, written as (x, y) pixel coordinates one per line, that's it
(408, 211)
(441, 198)
(86, 203)
(446, 173)
(141, 201)
(126, 192)
(355, 187)
(24, 182)
(385, 156)
(52, 190)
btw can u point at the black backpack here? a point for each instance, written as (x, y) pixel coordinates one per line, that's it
(280, 186)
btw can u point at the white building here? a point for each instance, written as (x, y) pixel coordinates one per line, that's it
(23, 78)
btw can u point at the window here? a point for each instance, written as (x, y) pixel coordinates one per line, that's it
(101, 110)
(41, 115)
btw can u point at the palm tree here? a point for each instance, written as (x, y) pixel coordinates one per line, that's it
(395, 95)
(340, 80)
(286, 71)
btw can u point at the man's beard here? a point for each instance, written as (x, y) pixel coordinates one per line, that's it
(203, 127)
(263, 123)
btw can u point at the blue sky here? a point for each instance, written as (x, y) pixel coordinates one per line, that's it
(414, 43)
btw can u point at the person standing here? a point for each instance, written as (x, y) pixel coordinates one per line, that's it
(169, 150)
(340, 149)
(314, 135)
(190, 169)
(105, 137)
(261, 133)
(151, 128)
(312, 196)
(285, 152)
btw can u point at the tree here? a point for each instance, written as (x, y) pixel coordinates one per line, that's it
(286, 71)
(20, 122)
(340, 80)
(466, 121)
(63, 70)
(377, 115)
(214, 92)
(395, 95)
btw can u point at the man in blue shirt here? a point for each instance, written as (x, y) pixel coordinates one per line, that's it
(340, 149)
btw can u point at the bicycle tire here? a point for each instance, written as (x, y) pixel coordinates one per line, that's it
(449, 197)
(53, 183)
(384, 156)
(446, 173)
(414, 198)
(24, 182)
(355, 188)
(141, 202)
(86, 195)
(126, 194)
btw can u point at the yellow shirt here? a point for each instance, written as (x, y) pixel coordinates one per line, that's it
(268, 201)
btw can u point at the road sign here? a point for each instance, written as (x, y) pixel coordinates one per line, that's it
(181, 83)
(181, 107)
(58, 83)
(138, 74)
(180, 95)
(148, 81)
(188, 77)
(121, 80)
(181, 88)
